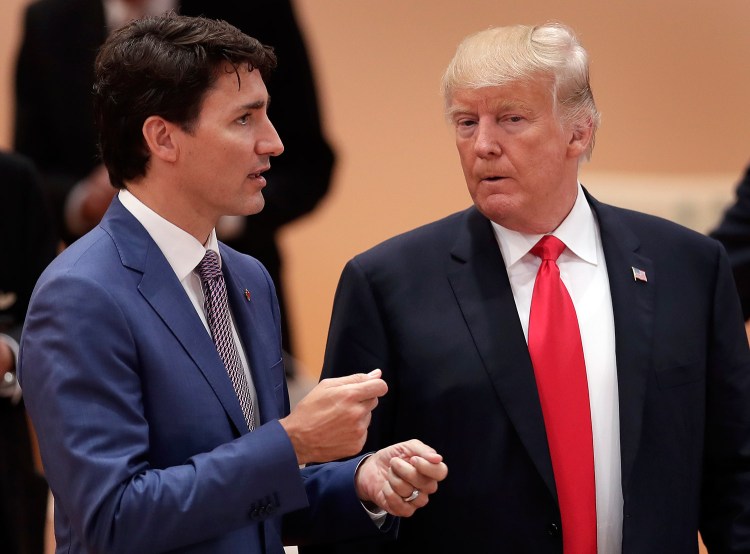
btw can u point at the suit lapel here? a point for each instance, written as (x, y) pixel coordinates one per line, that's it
(480, 283)
(633, 308)
(254, 336)
(161, 289)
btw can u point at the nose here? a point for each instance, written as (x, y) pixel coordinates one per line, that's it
(269, 143)
(486, 139)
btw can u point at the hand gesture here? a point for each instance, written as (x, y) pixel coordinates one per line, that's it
(331, 421)
(401, 477)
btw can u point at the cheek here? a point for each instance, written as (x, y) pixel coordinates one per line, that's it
(467, 157)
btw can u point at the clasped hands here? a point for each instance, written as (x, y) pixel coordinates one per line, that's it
(331, 422)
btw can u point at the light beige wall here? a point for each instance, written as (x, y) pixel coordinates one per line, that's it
(671, 79)
(10, 27)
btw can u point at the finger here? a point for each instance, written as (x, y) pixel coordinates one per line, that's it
(411, 477)
(401, 485)
(434, 470)
(359, 385)
(370, 404)
(395, 503)
(353, 378)
(416, 447)
(366, 390)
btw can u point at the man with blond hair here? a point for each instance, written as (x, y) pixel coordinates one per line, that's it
(583, 368)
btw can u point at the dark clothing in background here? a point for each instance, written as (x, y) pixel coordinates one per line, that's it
(734, 232)
(27, 246)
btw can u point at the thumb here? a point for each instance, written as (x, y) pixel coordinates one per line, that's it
(352, 379)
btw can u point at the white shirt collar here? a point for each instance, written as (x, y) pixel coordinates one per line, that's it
(182, 250)
(577, 231)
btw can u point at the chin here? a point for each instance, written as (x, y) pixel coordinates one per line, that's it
(496, 207)
(256, 206)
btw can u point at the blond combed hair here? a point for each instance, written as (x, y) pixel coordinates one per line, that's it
(502, 55)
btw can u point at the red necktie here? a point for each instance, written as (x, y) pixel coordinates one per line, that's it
(560, 370)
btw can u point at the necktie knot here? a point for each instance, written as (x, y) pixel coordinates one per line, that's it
(549, 248)
(208, 268)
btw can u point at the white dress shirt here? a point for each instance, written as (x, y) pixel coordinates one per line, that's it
(183, 253)
(584, 272)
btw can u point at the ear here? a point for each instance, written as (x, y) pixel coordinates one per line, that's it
(160, 138)
(580, 138)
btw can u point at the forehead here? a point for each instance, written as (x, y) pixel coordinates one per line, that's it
(527, 95)
(234, 87)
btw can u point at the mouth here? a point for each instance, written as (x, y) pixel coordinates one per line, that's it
(258, 174)
(492, 178)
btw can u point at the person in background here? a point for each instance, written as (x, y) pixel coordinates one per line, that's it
(54, 76)
(733, 231)
(28, 246)
(151, 357)
(582, 368)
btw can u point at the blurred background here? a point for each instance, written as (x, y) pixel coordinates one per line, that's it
(672, 80)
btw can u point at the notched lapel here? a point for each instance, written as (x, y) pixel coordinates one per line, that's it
(633, 302)
(161, 289)
(255, 337)
(167, 297)
(480, 283)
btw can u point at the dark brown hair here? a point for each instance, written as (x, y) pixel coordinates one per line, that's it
(162, 66)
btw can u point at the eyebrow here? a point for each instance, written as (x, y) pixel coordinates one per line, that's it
(258, 104)
(454, 110)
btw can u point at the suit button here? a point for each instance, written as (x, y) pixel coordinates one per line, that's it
(553, 530)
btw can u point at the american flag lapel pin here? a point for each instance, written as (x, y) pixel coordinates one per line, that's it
(247, 295)
(639, 275)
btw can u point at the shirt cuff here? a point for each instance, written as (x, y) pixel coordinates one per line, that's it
(377, 514)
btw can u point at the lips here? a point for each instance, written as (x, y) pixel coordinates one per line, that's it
(259, 173)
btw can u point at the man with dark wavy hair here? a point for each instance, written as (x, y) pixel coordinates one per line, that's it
(54, 76)
(151, 359)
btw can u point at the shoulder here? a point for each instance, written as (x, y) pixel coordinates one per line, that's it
(92, 258)
(240, 262)
(422, 243)
(656, 235)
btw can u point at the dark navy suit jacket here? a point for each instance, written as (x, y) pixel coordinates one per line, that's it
(434, 309)
(142, 437)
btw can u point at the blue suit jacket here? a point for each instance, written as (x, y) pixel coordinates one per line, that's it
(434, 309)
(142, 437)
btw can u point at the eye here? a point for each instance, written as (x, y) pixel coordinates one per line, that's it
(244, 120)
(514, 118)
(465, 122)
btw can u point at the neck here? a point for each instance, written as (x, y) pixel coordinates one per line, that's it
(174, 209)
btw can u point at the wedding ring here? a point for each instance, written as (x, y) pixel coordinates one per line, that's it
(414, 494)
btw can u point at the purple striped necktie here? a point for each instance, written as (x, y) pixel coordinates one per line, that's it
(219, 322)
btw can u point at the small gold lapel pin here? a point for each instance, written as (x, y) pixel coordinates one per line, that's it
(639, 275)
